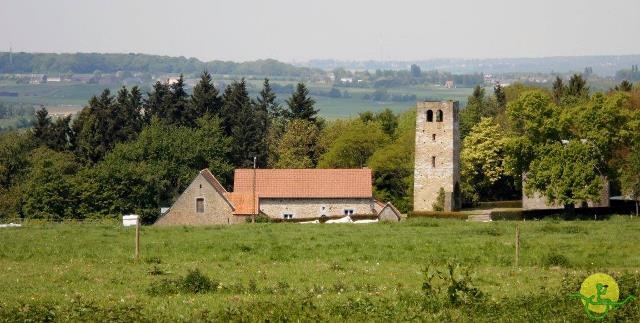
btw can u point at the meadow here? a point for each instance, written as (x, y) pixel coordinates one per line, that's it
(419, 269)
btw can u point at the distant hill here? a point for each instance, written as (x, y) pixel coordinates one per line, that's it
(86, 63)
(602, 65)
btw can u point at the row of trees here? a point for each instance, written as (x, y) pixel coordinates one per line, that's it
(87, 63)
(134, 153)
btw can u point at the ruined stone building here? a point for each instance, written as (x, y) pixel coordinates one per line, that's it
(437, 155)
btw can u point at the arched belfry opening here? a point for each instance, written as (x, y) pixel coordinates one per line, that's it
(439, 116)
(429, 115)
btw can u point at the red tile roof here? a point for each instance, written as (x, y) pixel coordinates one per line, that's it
(304, 183)
(241, 203)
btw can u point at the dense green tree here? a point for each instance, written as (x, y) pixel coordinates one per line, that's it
(482, 166)
(298, 146)
(205, 99)
(48, 189)
(558, 89)
(392, 167)
(624, 86)
(267, 101)
(41, 125)
(478, 106)
(354, 146)
(301, 106)
(14, 152)
(157, 102)
(501, 97)
(577, 86)
(151, 171)
(630, 175)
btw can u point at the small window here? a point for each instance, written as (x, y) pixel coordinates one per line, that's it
(199, 205)
(433, 161)
(348, 211)
(439, 116)
(433, 137)
(287, 216)
(429, 116)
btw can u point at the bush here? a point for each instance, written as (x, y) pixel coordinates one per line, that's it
(194, 282)
(556, 260)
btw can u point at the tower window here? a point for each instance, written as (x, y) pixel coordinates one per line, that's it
(433, 161)
(439, 116)
(433, 137)
(429, 115)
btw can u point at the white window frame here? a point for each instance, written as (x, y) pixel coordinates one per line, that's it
(348, 211)
(288, 215)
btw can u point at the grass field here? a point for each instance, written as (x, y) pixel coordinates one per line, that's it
(300, 272)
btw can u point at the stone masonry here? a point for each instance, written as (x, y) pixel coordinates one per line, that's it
(216, 209)
(305, 208)
(437, 155)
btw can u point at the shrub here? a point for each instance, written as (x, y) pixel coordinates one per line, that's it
(195, 282)
(555, 259)
(438, 205)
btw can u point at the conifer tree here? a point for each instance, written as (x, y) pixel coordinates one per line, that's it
(179, 103)
(577, 86)
(156, 104)
(267, 101)
(501, 97)
(558, 89)
(205, 99)
(301, 106)
(41, 124)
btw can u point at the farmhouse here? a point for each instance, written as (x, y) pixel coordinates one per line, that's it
(279, 194)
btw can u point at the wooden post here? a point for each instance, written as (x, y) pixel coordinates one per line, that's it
(517, 244)
(137, 255)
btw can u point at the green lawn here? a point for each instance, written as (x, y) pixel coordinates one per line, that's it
(308, 272)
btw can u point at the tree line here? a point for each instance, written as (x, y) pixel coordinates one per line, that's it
(133, 152)
(87, 63)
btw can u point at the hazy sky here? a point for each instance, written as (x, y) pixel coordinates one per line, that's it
(298, 30)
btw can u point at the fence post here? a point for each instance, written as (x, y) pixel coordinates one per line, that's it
(517, 244)
(137, 255)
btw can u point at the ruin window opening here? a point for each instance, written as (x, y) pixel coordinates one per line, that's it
(439, 116)
(433, 161)
(429, 116)
(433, 137)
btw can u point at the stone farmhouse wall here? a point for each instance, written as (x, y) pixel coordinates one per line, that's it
(312, 208)
(216, 208)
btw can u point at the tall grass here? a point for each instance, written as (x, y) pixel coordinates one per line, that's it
(326, 272)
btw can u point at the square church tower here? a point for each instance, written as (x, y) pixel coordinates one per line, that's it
(437, 155)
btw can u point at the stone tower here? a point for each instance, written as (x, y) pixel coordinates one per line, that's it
(437, 155)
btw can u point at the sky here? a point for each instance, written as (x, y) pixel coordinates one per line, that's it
(298, 30)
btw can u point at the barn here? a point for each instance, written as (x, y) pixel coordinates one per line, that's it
(289, 194)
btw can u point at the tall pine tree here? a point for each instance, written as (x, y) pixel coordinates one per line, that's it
(205, 99)
(301, 106)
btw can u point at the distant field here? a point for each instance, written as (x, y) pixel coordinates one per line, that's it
(77, 95)
(301, 272)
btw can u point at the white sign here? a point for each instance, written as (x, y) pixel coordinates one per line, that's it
(130, 220)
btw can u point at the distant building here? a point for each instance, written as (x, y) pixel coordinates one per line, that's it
(449, 84)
